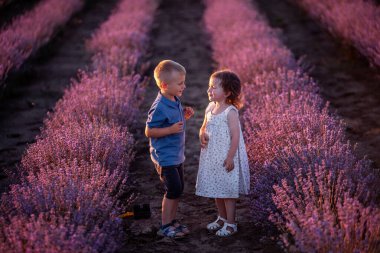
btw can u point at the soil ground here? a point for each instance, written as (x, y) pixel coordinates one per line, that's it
(178, 35)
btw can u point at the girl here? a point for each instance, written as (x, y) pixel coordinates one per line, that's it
(223, 166)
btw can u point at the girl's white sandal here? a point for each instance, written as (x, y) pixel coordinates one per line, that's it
(215, 225)
(224, 232)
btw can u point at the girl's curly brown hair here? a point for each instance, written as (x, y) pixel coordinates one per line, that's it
(230, 82)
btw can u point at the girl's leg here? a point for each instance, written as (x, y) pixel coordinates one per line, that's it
(230, 205)
(229, 225)
(221, 209)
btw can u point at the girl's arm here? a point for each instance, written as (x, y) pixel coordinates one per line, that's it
(202, 135)
(203, 138)
(204, 123)
(234, 127)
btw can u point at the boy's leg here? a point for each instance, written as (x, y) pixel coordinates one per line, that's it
(183, 228)
(174, 209)
(169, 206)
(181, 182)
(173, 186)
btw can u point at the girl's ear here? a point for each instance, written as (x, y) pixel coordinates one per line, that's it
(227, 94)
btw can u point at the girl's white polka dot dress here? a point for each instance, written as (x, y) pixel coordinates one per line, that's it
(213, 180)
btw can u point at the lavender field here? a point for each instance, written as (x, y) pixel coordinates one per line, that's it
(76, 84)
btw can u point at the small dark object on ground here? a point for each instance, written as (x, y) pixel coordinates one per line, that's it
(139, 212)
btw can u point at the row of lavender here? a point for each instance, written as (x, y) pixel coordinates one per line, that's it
(306, 181)
(28, 32)
(358, 22)
(73, 176)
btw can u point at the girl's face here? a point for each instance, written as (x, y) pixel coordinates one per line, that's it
(215, 91)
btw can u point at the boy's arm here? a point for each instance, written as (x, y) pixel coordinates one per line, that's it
(188, 111)
(161, 132)
(156, 117)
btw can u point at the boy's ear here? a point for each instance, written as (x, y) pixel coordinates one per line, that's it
(164, 85)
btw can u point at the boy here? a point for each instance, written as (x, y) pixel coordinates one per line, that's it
(165, 128)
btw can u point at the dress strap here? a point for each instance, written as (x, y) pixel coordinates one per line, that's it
(229, 108)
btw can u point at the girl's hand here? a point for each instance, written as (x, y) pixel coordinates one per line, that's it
(188, 111)
(229, 164)
(203, 138)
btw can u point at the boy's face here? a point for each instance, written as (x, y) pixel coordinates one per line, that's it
(215, 91)
(176, 85)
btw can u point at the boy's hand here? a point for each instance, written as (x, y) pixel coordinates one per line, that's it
(188, 111)
(176, 128)
(229, 164)
(203, 138)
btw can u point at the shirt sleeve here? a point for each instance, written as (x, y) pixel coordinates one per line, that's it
(156, 117)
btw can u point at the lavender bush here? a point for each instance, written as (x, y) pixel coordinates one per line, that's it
(357, 22)
(30, 31)
(110, 101)
(125, 33)
(76, 200)
(87, 142)
(289, 133)
(318, 211)
(72, 177)
(234, 39)
(53, 233)
(84, 190)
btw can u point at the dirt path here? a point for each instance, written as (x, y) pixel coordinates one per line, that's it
(35, 88)
(345, 78)
(178, 35)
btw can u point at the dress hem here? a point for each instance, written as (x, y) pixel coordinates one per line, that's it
(219, 196)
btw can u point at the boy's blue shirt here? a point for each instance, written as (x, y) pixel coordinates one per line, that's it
(170, 149)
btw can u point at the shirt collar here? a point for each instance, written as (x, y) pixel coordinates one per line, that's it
(167, 101)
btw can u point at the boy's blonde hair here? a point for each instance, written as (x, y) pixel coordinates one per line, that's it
(164, 69)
